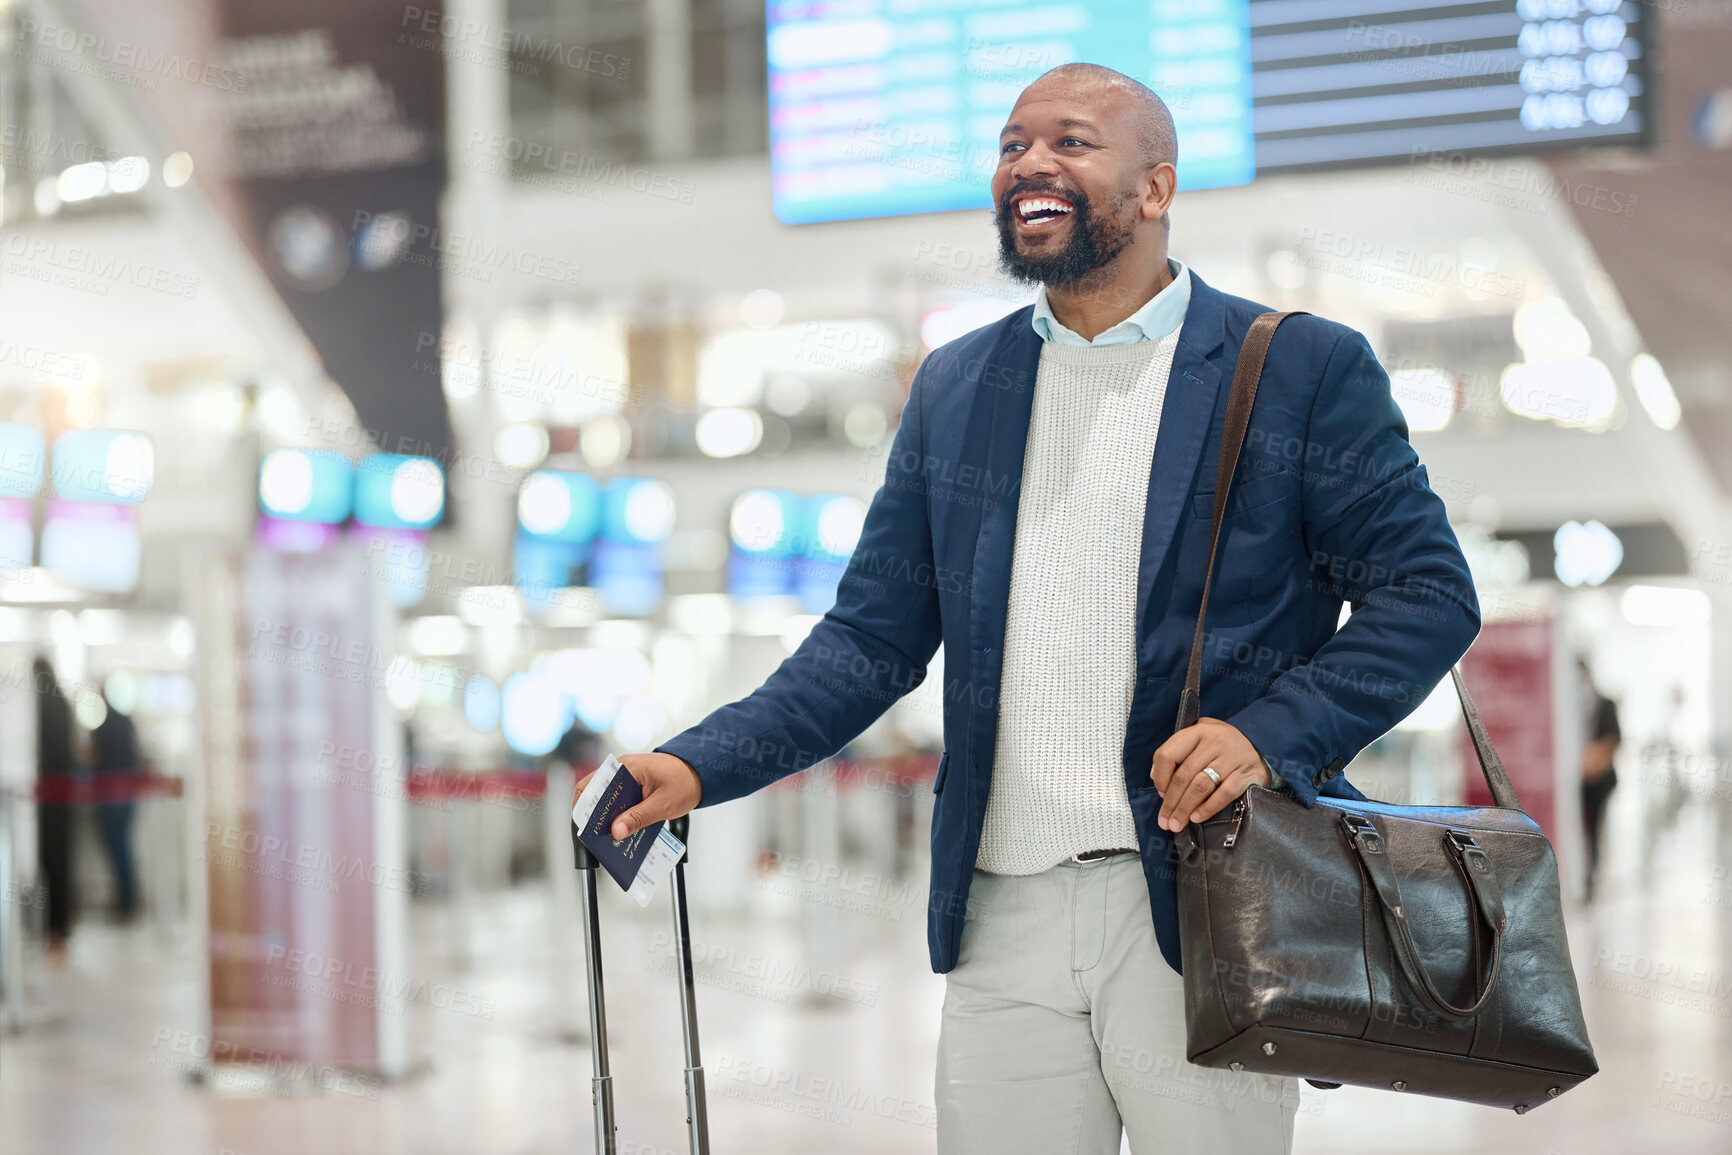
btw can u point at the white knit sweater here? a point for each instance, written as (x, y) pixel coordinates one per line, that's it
(1058, 784)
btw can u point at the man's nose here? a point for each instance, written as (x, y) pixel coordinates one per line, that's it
(1035, 160)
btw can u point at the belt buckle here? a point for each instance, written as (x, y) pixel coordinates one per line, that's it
(1088, 856)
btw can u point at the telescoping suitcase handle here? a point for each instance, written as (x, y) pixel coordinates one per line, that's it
(697, 1117)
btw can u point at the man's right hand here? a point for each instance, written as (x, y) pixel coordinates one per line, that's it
(671, 788)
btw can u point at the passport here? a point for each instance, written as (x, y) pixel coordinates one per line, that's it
(639, 861)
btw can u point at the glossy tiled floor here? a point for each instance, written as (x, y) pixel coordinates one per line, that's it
(835, 1057)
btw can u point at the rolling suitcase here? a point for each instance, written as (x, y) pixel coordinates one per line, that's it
(697, 1119)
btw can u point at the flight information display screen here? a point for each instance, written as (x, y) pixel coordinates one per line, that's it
(886, 107)
(1337, 82)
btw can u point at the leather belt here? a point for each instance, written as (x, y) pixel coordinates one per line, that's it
(1097, 855)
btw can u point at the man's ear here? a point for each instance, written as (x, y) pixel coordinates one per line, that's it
(1160, 182)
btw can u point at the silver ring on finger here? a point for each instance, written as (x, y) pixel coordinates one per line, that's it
(1213, 777)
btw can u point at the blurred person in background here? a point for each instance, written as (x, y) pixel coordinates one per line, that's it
(115, 758)
(579, 748)
(1599, 778)
(54, 815)
(1669, 758)
(1049, 494)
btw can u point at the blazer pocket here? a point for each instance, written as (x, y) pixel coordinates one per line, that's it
(1247, 495)
(943, 767)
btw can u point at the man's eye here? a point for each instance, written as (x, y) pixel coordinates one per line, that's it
(1070, 140)
(1007, 146)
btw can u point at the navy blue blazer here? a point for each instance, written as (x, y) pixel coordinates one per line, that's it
(1329, 504)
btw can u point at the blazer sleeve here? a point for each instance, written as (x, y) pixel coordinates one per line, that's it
(871, 648)
(1379, 539)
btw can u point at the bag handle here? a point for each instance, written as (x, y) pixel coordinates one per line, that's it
(1246, 376)
(1476, 867)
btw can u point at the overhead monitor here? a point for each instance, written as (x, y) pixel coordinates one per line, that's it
(887, 107)
(92, 544)
(23, 455)
(1345, 82)
(117, 465)
(307, 485)
(393, 491)
(557, 505)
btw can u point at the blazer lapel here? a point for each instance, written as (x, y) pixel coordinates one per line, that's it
(999, 420)
(1193, 387)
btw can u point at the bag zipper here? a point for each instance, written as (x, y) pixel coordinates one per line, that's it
(1233, 830)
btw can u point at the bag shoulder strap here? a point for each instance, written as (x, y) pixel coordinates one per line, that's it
(1496, 777)
(1247, 374)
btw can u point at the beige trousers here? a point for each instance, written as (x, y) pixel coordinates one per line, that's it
(1064, 1031)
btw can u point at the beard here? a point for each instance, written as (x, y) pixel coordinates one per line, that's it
(1096, 240)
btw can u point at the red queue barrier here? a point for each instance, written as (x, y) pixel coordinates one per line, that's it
(900, 774)
(65, 789)
(428, 784)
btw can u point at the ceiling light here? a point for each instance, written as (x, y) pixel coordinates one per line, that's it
(1576, 392)
(177, 169)
(1654, 391)
(81, 182)
(1426, 397)
(490, 606)
(128, 174)
(438, 634)
(1547, 331)
(865, 426)
(1586, 554)
(762, 308)
(1665, 606)
(604, 440)
(729, 432)
(521, 445)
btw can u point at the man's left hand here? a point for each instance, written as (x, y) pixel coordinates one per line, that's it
(1188, 794)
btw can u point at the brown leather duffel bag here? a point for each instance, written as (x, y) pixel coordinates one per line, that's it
(1413, 948)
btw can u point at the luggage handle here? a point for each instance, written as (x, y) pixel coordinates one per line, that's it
(601, 1083)
(1247, 373)
(697, 1108)
(1476, 868)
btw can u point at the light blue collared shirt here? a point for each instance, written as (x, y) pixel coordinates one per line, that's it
(1162, 314)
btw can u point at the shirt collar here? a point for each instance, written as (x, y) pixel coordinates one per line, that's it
(1162, 314)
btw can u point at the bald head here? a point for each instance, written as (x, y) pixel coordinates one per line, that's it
(1154, 123)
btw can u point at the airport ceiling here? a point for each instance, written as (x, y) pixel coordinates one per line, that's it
(1668, 246)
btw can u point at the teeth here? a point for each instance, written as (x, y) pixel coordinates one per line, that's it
(1042, 204)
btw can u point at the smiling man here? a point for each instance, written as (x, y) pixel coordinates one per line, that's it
(1045, 516)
